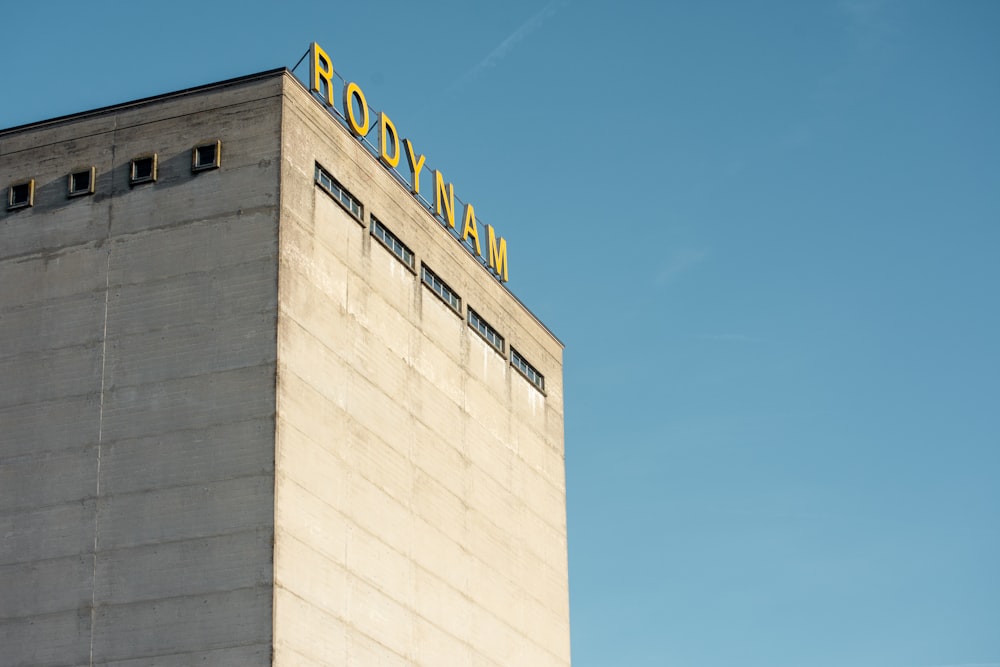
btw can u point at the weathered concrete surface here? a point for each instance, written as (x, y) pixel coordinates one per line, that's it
(420, 491)
(236, 430)
(137, 348)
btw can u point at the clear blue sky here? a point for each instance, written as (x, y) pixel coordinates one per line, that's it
(769, 235)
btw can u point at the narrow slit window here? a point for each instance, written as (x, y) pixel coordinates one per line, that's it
(527, 370)
(21, 195)
(340, 193)
(489, 334)
(143, 170)
(444, 292)
(392, 242)
(206, 156)
(82, 182)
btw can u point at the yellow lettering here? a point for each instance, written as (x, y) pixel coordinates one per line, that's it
(498, 254)
(321, 82)
(386, 128)
(449, 204)
(469, 228)
(351, 91)
(321, 72)
(416, 164)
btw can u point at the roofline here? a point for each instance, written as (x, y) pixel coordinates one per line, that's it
(145, 100)
(493, 278)
(280, 71)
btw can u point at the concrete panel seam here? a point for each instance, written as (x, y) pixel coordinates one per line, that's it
(416, 564)
(349, 418)
(100, 418)
(402, 604)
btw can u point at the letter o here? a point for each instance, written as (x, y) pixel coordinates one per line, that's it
(351, 91)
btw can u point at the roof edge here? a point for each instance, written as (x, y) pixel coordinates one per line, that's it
(503, 286)
(143, 101)
(280, 71)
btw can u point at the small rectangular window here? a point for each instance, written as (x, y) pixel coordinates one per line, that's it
(489, 334)
(444, 292)
(527, 370)
(206, 156)
(392, 242)
(21, 195)
(340, 194)
(143, 170)
(82, 182)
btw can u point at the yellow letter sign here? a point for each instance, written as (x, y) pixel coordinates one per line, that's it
(498, 254)
(469, 229)
(416, 164)
(322, 73)
(449, 203)
(351, 91)
(387, 128)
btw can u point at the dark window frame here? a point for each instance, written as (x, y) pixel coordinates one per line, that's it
(392, 243)
(196, 154)
(440, 289)
(529, 372)
(340, 194)
(134, 178)
(486, 332)
(72, 189)
(21, 195)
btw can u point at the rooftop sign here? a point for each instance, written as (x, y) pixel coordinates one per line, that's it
(354, 113)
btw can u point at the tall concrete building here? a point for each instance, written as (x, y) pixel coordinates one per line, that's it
(260, 406)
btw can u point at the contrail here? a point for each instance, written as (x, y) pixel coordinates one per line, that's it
(502, 49)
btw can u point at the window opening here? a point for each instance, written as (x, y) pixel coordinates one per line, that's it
(206, 156)
(21, 195)
(527, 370)
(392, 242)
(438, 286)
(143, 170)
(82, 182)
(489, 334)
(340, 193)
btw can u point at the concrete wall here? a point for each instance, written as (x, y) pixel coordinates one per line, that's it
(419, 479)
(137, 353)
(212, 437)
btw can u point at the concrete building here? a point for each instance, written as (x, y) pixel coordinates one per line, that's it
(258, 406)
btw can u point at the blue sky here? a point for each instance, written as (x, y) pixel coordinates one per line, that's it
(768, 234)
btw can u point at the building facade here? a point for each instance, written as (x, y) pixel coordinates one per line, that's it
(259, 407)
